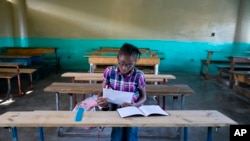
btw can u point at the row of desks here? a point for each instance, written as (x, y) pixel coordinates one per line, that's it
(181, 118)
(229, 60)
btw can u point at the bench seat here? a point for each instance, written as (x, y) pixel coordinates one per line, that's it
(21, 70)
(86, 88)
(242, 83)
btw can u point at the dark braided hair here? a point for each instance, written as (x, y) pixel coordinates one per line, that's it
(129, 49)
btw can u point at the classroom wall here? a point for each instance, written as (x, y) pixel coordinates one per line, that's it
(182, 30)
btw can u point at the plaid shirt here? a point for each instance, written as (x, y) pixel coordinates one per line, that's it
(130, 83)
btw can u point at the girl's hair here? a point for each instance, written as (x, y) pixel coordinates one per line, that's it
(129, 49)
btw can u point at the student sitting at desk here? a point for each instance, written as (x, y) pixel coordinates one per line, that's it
(125, 77)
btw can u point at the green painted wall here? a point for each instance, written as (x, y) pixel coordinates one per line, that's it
(180, 29)
(180, 56)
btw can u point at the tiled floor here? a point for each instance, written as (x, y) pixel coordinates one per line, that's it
(209, 95)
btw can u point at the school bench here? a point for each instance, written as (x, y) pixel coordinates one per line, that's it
(237, 63)
(179, 118)
(150, 78)
(205, 64)
(41, 55)
(21, 71)
(81, 76)
(242, 82)
(86, 88)
(10, 75)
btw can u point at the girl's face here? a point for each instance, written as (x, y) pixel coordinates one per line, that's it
(126, 63)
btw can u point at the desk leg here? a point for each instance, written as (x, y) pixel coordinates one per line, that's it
(71, 101)
(57, 101)
(163, 102)
(185, 136)
(31, 82)
(40, 129)
(156, 69)
(8, 95)
(182, 101)
(209, 134)
(14, 134)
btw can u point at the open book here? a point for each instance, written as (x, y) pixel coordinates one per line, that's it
(145, 110)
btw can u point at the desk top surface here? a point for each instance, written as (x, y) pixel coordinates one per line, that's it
(15, 56)
(178, 118)
(100, 75)
(9, 64)
(86, 88)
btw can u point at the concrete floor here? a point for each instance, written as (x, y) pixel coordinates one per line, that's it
(209, 95)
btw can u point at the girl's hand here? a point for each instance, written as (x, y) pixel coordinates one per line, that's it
(102, 101)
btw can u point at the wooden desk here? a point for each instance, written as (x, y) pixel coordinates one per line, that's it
(81, 76)
(86, 88)
(237, 63)
(242, 83)
(49, 54)
(209, 61)
(152, 62)
(13, 65)
(24, 60)
(184, 118)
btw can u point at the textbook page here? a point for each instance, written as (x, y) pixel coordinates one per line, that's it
(117, 97)
(152, 109)
(129, 111)
(145, 110)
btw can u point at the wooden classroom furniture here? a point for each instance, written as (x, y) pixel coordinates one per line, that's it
(152, 64)
(179, 118)
(24, 60)
(237, 63)
(9, 75)
(103, 57)
(86, 88)
(21, 71)
(81, 76)
(242, 82)
(206, 63)
(47, 55)
(150, 78)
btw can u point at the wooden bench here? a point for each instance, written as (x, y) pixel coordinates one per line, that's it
(21, 70)
(242, 82)
(150, 78)
(81, 76)
(179, 118)
(86, 88)
(49, 55)
(237, 63)
(205, 63)
(10, 75)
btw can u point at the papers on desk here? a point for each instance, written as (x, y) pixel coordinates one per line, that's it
(117, 97)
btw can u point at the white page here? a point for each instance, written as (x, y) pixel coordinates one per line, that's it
(117, 97)
(152, 109)
(129, 111)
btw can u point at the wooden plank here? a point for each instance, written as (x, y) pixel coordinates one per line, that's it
(21, 70)
(80, 76)
(9, 64)
(183, 118)
(108, 60)
(30, 51)
(86, 88)
(7, 75)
